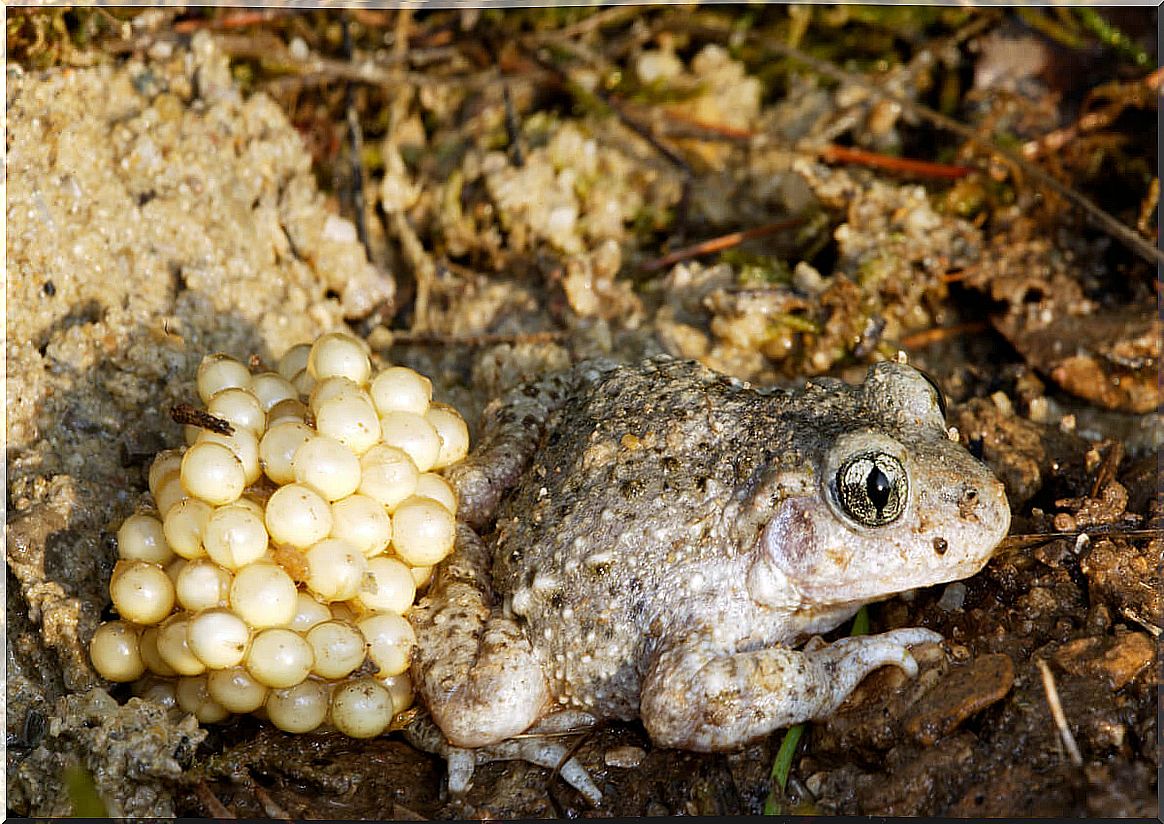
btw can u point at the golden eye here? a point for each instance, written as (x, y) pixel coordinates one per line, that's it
(873, 488)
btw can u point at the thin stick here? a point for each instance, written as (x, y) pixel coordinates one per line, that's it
(428, 339)
(718, 244)
(1057, 713)
(927, 337)
(215, 807)
(874, 160)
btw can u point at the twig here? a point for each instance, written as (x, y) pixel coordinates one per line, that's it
(187, 415)
(1057, 713)
(874, 160)
(718, 244)
(435, 339)
(606, 17)
(237, 20)
(215, 807)
(270, 806)
(1013, 543)
(356, 146)
(1102, 219)
(928, 337)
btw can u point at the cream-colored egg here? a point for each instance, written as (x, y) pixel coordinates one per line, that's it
(235, 536)
(335, 569)
(279, 658)
(115, 652)
(212, 473)
(174, 649)
(339, 354)
(141, 538)
(361, 708)
(202, 584)
(400, 389)
(141, 592)
(388, 585)
(423, 531)
(218, 638)
(240, 408)
(278, 446)
(293, 360)
(218, 372)
(362, 521)
(351, 420)
(298, 516)
(390, 641)
(339, 648)
(452, 431)
(431, 485)
(327, 466)
(244, 445)
(414, 434)
(270, 388)
(387, 475)
(263, 595)
(300, 708)
(236, 689)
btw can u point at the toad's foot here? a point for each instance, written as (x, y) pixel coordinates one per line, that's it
(533, 747)
(698, 699)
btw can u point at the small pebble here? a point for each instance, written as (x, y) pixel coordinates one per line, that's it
(624, 757)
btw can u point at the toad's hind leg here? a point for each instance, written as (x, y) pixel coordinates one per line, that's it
(474, 667)
(698, 698)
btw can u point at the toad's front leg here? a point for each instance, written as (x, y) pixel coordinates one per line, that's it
(696, 697)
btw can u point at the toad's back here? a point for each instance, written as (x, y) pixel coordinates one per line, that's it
(624, 501)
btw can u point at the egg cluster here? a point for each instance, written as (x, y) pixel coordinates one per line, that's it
(274, 573)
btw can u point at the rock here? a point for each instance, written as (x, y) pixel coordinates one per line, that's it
(963, 692)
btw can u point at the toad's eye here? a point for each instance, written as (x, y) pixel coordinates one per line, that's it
(873, 488)
(937, 392)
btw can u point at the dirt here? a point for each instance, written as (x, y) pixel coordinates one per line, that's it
(158, 212)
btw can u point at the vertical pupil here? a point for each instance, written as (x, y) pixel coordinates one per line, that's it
(877, 487)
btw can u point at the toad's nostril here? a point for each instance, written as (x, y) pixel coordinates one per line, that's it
(970, 495)
(940, 546)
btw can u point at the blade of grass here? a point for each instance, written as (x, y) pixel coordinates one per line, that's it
(782, 764)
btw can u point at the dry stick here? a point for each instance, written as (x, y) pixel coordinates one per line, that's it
(215, 807)
(356, 147)
(432, 339)
(928, 337)
(718, 244)
(1057, 713)
(875, 160)
(1109, 224)
(187, 415)
(230, 21)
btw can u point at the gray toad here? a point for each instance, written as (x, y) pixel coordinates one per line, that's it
(666, 536)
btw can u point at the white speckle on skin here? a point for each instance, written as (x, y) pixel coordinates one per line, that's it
(543, 581)
(599, 559)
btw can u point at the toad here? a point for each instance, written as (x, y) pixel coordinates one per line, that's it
(664, 540)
